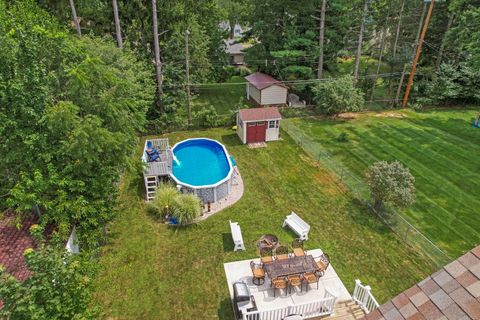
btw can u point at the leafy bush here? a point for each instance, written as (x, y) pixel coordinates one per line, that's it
(337, 95)
(343, 137)
(454, 84)
(187, 207)
(390, 183)
(206, 117)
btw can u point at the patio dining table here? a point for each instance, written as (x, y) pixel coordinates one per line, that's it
(291, 266)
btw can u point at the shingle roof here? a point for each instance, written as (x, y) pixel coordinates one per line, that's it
(259, 114)
(261, 81)
(453, 292)
(13, 242)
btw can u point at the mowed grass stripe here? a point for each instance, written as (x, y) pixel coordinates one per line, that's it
(431, 145)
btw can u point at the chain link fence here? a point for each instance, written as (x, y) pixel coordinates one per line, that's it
(359, 189)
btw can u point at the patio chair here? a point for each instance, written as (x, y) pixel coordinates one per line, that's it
(266, 256)
(295, 281)
(258, 273)
(281, 253)
(297, 247)
(152, 153)
(322, 264)
(311, 277)
(279, 283)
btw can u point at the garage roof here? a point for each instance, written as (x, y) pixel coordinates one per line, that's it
(260, 114)
(261, 80)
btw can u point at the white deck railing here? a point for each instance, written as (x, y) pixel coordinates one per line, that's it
(362, 295)
(308, 310)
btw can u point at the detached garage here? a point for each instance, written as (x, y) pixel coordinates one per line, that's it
(258, 124)
(265, 90)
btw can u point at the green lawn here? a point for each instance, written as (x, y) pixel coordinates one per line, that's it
(223, 97)
(441, 150)
(151, 271)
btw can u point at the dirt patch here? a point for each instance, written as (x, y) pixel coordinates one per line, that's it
(331, 185)
(397, 115)
(348, 115)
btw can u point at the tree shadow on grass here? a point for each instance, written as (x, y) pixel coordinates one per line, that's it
(225, 310)
(231, 139)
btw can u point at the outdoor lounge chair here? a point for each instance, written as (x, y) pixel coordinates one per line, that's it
(258, 273)
(152, 153)
(281, 253)
(279, 283)
(297, 247)
(295, 281)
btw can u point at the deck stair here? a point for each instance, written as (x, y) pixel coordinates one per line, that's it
(346, 310)
(151, 183)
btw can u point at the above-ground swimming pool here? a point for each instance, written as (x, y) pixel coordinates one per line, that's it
(202, 166)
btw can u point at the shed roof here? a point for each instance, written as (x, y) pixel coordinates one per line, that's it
(453, 292)
(261, 80)
(259, 114)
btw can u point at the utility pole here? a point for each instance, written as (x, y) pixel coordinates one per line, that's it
(360, 41)
(417, 55)
(75, 18)
(118, 30)
(187, 69)
(158, 62)
(321, 39)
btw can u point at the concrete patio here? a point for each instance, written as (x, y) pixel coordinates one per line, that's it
(330, 282)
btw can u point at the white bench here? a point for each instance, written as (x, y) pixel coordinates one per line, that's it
(298, 225)
(236, 236)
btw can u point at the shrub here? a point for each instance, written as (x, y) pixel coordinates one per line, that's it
(337, 95)
(187, 207)
(390, 183)
(169, 202)
(343, 137)
(165, 200)
(206, 117)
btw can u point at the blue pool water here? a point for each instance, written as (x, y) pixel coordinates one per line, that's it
(200, 162)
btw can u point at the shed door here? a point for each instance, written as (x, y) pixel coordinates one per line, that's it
(256, 131)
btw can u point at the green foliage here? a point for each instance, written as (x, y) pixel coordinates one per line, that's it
(390, 183)
(206, 117)
(67, 105)
(165, 199)
(336, 96)
(454, 84)
(343, 137)
(60, 287)
(187, 208)
(168, 201)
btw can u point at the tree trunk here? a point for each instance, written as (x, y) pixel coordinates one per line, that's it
(118, 30)
(158, 62)
(75, 18)
(360, 41)
(398, 29)
(378, 206)
(321, 40)
(442, 47)
(232, 24)
(380, 57)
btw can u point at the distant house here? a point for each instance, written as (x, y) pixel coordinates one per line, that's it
(235, 50)
(266, 90)
(258, 124)
(238, 30)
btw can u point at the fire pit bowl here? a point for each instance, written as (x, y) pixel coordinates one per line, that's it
(267, 241)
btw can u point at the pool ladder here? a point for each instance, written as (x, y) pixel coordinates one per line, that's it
(151, 183)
